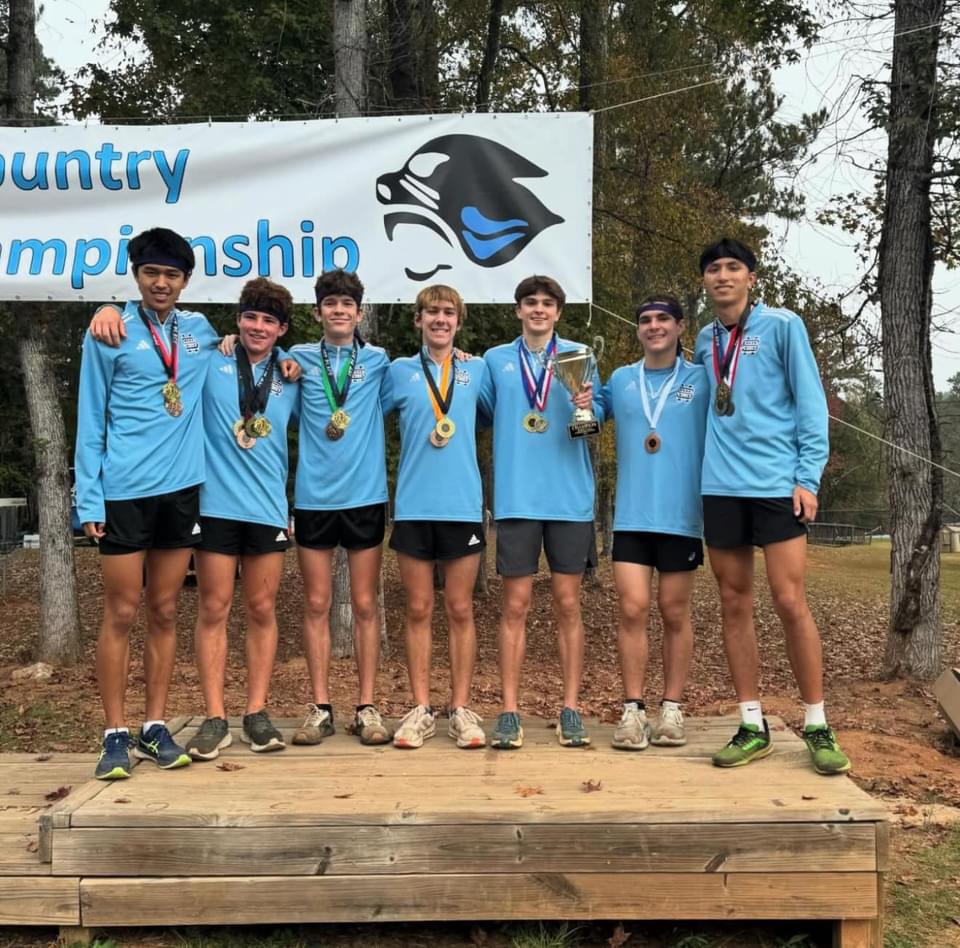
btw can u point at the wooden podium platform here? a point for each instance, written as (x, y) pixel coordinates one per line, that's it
(325, 834)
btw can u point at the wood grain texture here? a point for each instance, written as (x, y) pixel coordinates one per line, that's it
(39, 901)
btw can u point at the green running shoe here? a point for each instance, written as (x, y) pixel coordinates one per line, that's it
(828, 759)
(749, 743)
(570, 731)
(507, 735)
(114, 760)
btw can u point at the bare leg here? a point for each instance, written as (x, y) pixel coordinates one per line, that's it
(460, 575)
(673, 598)
(165, 572)
(261, 580)
(517, 592)
(316, 567)
(364, 580)
(122, 583)
(566, 609)
(734, 572)
(633, 583)
(417, 578)
(786, 565)
(215, 579)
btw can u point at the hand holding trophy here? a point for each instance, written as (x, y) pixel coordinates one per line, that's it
(574, 368)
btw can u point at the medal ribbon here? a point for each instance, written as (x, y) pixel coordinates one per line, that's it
(440, 398)
(664, 393)
(537, 389)
(253, 397)
(726, 371)
(336, 389)
(170, 358)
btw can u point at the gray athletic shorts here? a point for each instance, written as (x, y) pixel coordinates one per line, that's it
(570, 546)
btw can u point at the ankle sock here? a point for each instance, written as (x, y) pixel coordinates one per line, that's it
(813, 715)
(115, 730)
(668, 705)
(751, 713)
(149, 724)
(360, 707)
(636, 701)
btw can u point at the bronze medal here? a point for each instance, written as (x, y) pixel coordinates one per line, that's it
(244, 440)
(445, 428)
(436, 440)
(652, 443)
(722, 398)
(174, 409)
(333, 432)
(340, 419)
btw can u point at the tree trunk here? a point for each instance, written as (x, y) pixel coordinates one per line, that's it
(594, 15)
(914, 637)
(491, 51)
(350, 56)
(413, 71)
(21, 61)
(59, 639)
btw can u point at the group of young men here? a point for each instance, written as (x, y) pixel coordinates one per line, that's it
(182, 448)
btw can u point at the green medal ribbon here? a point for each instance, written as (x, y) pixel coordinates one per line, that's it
(336, 390)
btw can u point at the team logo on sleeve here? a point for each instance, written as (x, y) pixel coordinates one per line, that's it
(751, 345)
(686, 392)
(464, 188)
(190, 343)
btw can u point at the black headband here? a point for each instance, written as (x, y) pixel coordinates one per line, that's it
(660, 306)
(266, 306)
(162, 260)
(738, 252)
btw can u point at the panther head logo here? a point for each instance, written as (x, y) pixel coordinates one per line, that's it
(464, 188)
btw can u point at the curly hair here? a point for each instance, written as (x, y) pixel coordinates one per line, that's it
(265, 296)
(338, 283)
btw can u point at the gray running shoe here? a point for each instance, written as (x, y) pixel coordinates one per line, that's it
(418, 725)
(571, 732)
(369, 727)
(508, 734)
(669, 730)
(465, 728)
(211, 738)
(633, 731)
(260, 733)
(317, 725)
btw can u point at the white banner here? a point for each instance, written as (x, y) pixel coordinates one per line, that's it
(476, 201)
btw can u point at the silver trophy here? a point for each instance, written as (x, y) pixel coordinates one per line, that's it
(573, 369)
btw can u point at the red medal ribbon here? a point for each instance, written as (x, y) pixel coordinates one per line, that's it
(726, 370)
(170, 358)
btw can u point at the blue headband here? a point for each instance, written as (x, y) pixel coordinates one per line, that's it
(660, 306)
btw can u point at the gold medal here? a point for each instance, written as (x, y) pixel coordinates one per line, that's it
(171, 393)
(333, 432)
(530, 422)
(652, 443)
(257, 426)
(436, 440)
(445, 428)
(541, 424)
(340, 420)
(722, 398)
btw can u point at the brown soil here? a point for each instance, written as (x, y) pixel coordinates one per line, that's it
(899, 744)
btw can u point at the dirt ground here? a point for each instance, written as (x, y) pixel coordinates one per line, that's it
(899, 744)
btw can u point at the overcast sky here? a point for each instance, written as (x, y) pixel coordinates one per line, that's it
(824, 78)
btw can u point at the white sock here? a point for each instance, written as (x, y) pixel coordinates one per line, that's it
(149, 724)
(813, 715)
(666, 705)
(115, 730)
(751, 713)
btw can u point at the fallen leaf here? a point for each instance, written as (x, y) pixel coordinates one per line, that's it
(525, 791)
(342, 796)
(122, 800)
(229, 765)
(32, 846)
(806, 797)
(43, 757)
(57, 794)
(591, 786)
(619, 937)
(13, 792)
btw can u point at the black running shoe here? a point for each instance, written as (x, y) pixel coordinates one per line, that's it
(260, 734)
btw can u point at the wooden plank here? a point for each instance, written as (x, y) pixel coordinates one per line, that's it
(59, 814)
(39, 901)
(495, 848)
(284, 899)
(17, 858)
(266, 793)
(883, 846)
(856, 933)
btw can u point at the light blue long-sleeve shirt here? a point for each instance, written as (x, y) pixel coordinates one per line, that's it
(544, 476)
(350, 472)
(128, 446)
(437, 483)
(660, 492)
(245, 484)
(777, 437)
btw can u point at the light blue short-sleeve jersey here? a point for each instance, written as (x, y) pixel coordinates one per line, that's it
(659, 492)
(544, 476)
(245, 484)
(350, 472)
(777, 437)
(437, 483)
(128, 446)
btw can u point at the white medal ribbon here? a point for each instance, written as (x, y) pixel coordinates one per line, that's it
(664, 394)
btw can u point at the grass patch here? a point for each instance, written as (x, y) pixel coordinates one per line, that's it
(924, 898)
(545, 936)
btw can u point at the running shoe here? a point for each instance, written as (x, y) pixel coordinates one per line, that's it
(465, 728)
(570, 731)
(418, 726)
(749, 743)
(114, 760)
(158, 745)
(259, 732)
(212, 737)
(828, 759)
(508, 734)
(633, 731)
(317, 725)
(668, 731)
(369, 727)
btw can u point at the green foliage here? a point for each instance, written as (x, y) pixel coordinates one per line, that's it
(545, 936)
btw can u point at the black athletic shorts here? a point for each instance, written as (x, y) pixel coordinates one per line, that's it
(570, 546)
(164, 522)
(437, 539)
(729, 522)
(357, 528)
(665, 552)
(239, 538)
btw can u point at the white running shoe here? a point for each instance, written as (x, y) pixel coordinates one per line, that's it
(669, 730)
(465, 728)
(633, 731)
(418, 726)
